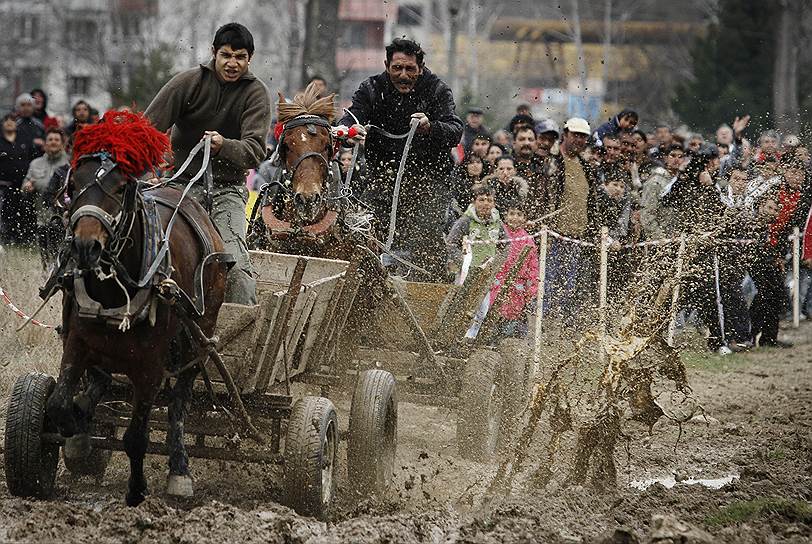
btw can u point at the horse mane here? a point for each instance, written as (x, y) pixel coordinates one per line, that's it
(306, 102)
(135, 145)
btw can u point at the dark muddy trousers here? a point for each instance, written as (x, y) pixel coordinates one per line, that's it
(418, 232)
(700, 294)
(767, 306)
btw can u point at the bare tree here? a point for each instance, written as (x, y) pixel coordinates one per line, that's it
(785, 74)
(320, 41)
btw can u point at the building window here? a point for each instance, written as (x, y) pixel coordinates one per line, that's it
(27, 28)
(410, 15)
(81, 32)
(79, 85)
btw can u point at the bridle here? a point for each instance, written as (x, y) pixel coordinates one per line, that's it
(311, 122)
(118, 226)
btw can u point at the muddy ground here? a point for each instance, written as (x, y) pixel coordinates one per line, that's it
(758, 430)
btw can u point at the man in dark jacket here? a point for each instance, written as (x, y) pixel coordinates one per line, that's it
(390, 100)
(224, 100)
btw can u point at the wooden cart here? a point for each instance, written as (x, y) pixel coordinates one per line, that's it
(303, 307)
(420, 337)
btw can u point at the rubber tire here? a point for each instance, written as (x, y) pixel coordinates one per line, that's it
(478, 410)
(96, 463)
(514, 387)
(30, 464)
(373, 433)
(313, 422)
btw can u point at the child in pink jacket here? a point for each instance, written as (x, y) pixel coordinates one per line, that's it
(522, 290)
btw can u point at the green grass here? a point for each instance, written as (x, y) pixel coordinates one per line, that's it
(32, 348)
(744, 511)
(710, 362)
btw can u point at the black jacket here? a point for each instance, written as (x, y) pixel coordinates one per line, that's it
(14, 160)
(379, 103)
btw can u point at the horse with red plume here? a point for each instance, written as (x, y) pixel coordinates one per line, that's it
(127, 273)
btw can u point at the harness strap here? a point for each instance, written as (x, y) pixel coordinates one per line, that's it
(108, 221)
(165, 242)
(393, 215)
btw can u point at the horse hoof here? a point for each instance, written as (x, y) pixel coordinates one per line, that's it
(134, 499)
(77, 446)
(179, 486)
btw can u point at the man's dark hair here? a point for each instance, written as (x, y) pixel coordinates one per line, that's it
(720, 146)
(483, 137)
(520, 119)
(523, 128)
(611, 136)
(8, 116)
(674, 147)
(407, 47)
(641, 134)
(235, 35)
(481, 188)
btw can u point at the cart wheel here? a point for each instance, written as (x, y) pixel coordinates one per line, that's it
(479, 410)
(372, 439)
(30, 463)
(514, 387)
(311, 444)
(95, 464)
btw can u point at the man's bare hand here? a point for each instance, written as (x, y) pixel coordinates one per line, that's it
(425, 124)
(27, 186)
(216, 141)
(740, 124)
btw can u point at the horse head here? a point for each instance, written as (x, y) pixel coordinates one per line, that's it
(98, 193)
(102, 186)
(307, 148)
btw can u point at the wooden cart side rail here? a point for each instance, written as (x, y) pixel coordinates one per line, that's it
(324, 292)
(279, 331)
(193, 450)
(278, 268)
(339, 322)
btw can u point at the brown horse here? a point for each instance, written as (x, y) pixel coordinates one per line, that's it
(308, 210)
(114, 318)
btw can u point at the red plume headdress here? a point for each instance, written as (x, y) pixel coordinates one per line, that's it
(133, 143)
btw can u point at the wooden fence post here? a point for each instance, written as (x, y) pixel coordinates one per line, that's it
(540, 300)
(796, 278)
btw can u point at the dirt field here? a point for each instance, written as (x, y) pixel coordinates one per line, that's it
(758, 433)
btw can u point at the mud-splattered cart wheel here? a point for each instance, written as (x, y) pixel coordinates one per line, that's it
(311, 446)
(95, 464)
(479, 411)
(372, 438)
(30, 462)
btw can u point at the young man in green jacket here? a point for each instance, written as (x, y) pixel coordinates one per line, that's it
(225, 100)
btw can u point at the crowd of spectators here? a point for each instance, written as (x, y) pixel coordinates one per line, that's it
(741, 200)
(642, 185)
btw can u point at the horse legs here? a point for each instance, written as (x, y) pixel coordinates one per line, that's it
(179, 482)
(136, 438)
(86, 401)
(60, 404)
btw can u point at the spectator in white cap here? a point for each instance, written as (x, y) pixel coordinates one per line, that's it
(572, 194)
(30, 130)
